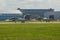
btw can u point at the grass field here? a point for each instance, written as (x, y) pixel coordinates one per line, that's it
(29, 31)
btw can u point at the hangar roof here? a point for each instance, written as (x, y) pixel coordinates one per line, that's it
(35, 11)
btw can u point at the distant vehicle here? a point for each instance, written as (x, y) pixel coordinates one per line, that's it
(45, 18)
(13, 19)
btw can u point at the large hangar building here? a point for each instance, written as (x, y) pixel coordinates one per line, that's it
(36, 13)
(42, 13)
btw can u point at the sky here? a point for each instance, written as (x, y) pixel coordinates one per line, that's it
(9, 5)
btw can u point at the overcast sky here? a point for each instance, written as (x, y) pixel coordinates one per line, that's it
(14, 4)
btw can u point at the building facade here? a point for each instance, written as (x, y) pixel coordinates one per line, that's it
(39, 13)
(5, 16)
(32, 14)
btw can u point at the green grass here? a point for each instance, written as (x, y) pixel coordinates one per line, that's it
(29, 31)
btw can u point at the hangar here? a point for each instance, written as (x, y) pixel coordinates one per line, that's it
(38, 13)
